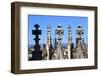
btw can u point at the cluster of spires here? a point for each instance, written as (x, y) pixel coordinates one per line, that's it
(48, 53)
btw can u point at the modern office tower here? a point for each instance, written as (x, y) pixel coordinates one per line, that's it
(70, 44)
(79, 50)
(49, 43)
(58, 52)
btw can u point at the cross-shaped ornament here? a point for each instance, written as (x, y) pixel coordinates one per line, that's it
(37, 53)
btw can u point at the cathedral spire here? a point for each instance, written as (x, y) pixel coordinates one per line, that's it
(70, 45)
(79, 49)
(58, 52)
(49, 42)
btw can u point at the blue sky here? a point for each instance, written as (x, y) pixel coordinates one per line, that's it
(44, 20)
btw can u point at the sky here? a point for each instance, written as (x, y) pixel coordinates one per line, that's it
(44, 20)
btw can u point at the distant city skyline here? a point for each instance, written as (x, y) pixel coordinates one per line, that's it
(44, 20)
